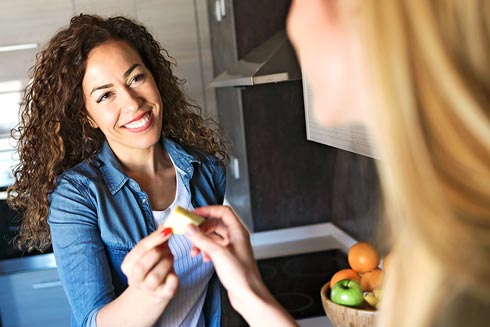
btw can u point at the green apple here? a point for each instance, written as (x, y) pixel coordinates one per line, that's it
(347, 292)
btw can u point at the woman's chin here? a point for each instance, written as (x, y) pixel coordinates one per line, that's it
(329, 114)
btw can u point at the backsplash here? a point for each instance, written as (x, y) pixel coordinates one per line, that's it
(356, 201)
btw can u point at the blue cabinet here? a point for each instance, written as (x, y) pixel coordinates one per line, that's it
(32, 297)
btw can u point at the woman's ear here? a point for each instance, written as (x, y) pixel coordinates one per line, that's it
(92, 122)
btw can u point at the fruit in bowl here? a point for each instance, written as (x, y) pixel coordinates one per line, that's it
(340, 315)
(352, 295)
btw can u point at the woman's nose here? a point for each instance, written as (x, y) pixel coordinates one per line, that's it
(130, 100)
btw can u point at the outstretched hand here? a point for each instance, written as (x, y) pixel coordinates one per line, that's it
(224, 240)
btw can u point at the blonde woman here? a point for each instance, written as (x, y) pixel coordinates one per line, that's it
(417, 73)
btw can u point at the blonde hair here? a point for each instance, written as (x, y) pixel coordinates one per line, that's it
(430, 63)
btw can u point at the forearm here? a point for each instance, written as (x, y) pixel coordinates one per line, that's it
(260, 308)
(132, 308)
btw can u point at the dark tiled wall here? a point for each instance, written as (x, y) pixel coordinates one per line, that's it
(356, 201)
(289, 177)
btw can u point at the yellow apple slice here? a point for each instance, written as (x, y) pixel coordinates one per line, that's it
(179, 218)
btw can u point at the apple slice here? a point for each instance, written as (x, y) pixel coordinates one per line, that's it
(179, 218)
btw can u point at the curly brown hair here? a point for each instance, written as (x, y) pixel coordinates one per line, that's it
(54, 132)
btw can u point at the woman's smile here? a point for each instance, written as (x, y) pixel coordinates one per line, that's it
(140, 123)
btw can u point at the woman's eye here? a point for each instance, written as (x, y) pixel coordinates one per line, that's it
(137, 78)
(103, 97)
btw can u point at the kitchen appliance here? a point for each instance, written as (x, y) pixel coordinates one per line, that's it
(296, 262)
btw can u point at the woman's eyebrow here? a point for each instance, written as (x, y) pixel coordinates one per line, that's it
(105, 86)
(126, 74)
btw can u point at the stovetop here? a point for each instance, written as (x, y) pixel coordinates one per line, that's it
(295, 281)
(296, 262)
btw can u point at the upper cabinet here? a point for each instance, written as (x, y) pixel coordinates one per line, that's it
(352, 138)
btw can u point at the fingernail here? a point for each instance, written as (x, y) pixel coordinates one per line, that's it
(167, 231)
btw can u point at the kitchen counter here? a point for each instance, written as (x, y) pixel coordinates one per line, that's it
(302, 239)
(28, 263)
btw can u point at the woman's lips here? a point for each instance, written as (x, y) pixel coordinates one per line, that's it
(140, 124)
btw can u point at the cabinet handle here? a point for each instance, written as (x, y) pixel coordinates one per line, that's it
(55, 283)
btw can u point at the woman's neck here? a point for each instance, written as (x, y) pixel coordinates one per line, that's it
(148, 162)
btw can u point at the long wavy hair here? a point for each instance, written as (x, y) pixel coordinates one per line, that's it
(54, 132)
(430, 62)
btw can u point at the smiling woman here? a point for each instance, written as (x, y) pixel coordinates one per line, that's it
(108, 145)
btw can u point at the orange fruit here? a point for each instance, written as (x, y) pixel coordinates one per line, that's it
(372, 280)
(344, 274)
(363, 257)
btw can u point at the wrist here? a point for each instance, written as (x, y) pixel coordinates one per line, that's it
(256, 302)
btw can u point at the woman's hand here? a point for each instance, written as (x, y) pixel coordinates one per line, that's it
(149, 266)
(223, 239)
(152, 283)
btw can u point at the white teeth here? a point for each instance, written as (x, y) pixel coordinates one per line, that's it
(139, 123)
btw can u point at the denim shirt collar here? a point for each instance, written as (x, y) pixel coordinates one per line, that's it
(115, 177)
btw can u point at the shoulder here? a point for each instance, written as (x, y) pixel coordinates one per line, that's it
(84, 171)
(79, 176)
(74, 191)
(208, 162)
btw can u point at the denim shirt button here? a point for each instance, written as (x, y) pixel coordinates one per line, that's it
(143, 200)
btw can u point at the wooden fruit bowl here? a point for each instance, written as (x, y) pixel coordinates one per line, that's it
(342, 316)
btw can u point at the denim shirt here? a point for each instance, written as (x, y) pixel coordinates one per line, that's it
(98, 214)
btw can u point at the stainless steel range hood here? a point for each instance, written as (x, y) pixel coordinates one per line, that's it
(272, 62)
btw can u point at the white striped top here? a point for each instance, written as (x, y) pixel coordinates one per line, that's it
(185, 309)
